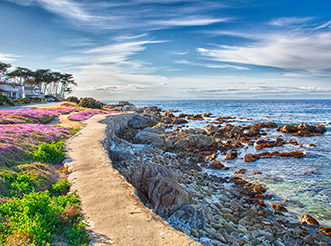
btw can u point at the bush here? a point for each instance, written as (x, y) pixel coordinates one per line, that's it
(24, 100)
(89, 102)
(73, 99)
(51, 98)
(50, 153)
(38, 219)
(61, 187)
(30, 177)
(4, 100)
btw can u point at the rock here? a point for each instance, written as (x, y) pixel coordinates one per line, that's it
(309, 220)
(308, 239)
(190, 131)
(194, 232)
(230, 217)
(140, 122)
(243, 241)
(279, 207)
(149, 137)
(200, 140)
(156, 185)
(230, 239)
(177, 121)
(240, 171)
(216, 165)
(325, 230)
(216, 226)
(220, 237)
(190, 216)
(229, 228)
(210, 129)
(231, 155)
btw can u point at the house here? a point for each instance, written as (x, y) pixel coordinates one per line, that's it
(32, 91)
(12, 90)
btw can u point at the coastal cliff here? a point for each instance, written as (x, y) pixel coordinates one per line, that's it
(164, 167)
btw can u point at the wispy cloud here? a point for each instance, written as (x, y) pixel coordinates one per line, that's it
(302, 49)
(290, 21)
(65, 8)
(8, 57)
(131, 14)
(325, 25)
(118, 53)
(208, 65)
(190, 21)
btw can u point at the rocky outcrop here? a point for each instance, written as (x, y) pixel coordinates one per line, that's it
(302, 130)
(156, 185)
(211, 209)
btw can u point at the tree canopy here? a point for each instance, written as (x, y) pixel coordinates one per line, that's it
(49, 82)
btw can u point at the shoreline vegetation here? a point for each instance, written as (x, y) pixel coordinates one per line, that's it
(162, 159)
(36, 207)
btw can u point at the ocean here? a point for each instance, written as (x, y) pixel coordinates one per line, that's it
(302, 185)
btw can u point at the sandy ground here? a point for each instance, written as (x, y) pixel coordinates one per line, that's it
(114, 213)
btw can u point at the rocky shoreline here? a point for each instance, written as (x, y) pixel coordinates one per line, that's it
(165, 165)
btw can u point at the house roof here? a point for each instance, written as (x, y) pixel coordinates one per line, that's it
(11, 84)
(1, 90)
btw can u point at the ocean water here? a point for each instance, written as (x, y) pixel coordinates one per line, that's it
(303, 185)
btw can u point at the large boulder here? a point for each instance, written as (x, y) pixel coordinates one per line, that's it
(141, 122)
(157, 186)
(200, 140)
(190, 216)
(150, 137)
(210, 129)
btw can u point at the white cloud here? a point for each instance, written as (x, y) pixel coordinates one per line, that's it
(66, 8)
(208, 65)
(190, 21)
(8, 57)
(327, 24)
(305, 51)
(290, 21)
(131, 14)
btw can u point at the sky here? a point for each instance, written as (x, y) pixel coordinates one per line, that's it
(175, 49)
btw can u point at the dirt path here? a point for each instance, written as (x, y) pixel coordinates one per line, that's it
(115, 215)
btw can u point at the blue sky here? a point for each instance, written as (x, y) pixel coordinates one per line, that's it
(164, 49)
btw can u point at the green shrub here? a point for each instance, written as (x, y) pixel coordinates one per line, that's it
(38, 219)
(89, 102)
(4, 100)
(31, 177)
(50, 153)
(61, 187)
(24, 100)
(73, 99)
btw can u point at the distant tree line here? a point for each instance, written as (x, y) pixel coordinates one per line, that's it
(49, 82)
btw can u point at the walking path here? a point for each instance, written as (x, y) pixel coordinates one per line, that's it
(114, 213)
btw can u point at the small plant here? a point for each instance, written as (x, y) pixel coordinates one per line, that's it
(89, 102)
(73, 99)
(24, 100)
(50, 153)
(4, 100)
(61, 187)
(37, 219)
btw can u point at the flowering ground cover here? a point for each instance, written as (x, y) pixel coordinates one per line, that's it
(84, 115)
(18, 140)
(35, 209)
(19, 116)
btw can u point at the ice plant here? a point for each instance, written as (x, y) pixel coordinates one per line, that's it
(18, 140)
(15, 116)
(84, 115)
